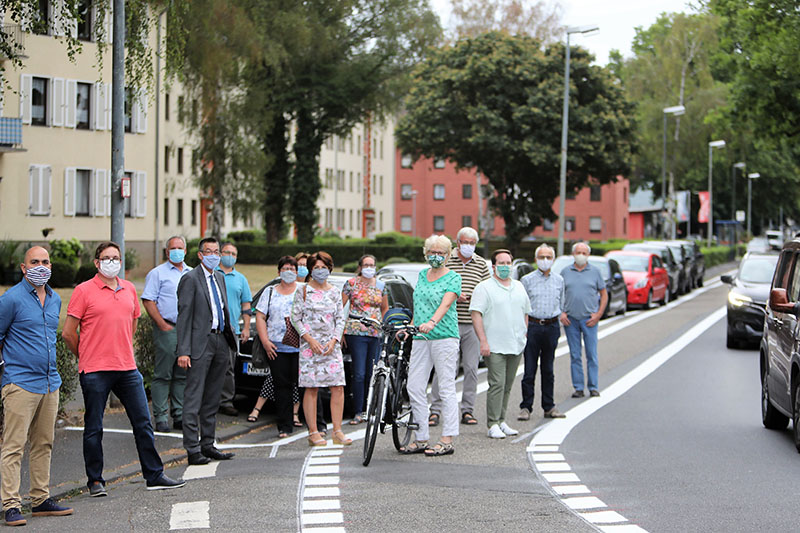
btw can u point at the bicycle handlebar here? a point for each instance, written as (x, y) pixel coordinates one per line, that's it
(367, 321)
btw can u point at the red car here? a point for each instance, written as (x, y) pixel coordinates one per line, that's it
(645, 277)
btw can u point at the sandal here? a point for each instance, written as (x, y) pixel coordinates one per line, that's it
(253, 418)
(468, 419)
(316, 442)
(283, 435)
(433, 420)
(344, 441)
(440, 448)
(418, 446)
(356, 420)
(296, 421)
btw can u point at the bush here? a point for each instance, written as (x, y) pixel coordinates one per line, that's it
(352, 266)
(393, 260)
(85, 273)
(68, 251)
(63, 275)
(67, 365)
(131, 259)
(717, 255)
(144, 350)
(342, 252)
(395, 237)
(250, 235)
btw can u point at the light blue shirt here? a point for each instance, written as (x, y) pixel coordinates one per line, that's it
(503, 310)
(238, 293)
(582, 290)
(161, 287)
(546, 294)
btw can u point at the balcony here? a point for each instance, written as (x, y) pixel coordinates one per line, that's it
(13, 42)
(11, 135)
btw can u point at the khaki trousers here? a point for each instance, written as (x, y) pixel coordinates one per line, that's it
(502, 372)
(27, 417)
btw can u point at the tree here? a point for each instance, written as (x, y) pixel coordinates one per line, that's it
(494, 102)
(540, 20)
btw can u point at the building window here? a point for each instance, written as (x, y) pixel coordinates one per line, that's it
(128, 108)
(180, 108)
(438, 163)
(595, 224)
(193, 215)
(351, 175)
(39, 101)
(351, 211)
(380, 219)
(180, 211)
(42, 24)
(166, 211)
(340, 181)
(374, 184)
(328, 218)
(358, 145)
(83, 192)
(438, 223)
(180, 160)
(466, 192)
(329, 178)
(358, 183)
(405, 224)
(625, 226)
(166, 159)
(195, 107)
(625, 195)
(85, 20)
(381, 189)
(569, 224)
(547, 224)
(128, 208)
(166, 106)
(350, 140)
(438, 192)
(82, 106)
(329, 143)
(466, 220)
(406, 191)
(406, 161)
(595, 194)
(381, 148)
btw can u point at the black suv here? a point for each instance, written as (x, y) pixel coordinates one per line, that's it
(779, 358)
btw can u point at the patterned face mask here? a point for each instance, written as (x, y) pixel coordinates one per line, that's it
(320, 275)
(503, 271)
(38, 275)
(435, 260)
(288, 276)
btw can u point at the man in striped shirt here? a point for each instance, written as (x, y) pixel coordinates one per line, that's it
(473, 269)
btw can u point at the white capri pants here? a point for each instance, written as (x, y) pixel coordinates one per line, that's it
(441, 354)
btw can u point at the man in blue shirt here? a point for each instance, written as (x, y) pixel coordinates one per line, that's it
(28, 324)
(239, 300)
(160, 299)
(585, 298)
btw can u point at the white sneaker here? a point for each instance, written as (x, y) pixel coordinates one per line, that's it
(508, 430)
(496, 433)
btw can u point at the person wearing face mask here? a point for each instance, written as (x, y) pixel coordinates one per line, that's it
(367, 297)
(160, 300)
(318, 317)
(28, 322)
(545, 291)
(302, 267)
(500, 308)
(106, 309)
(205, 338)
(473, 269)
(240, 298)
(585, 298)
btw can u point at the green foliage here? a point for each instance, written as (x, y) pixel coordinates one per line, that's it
(249, 235)
(131, 258)
(394, 260)
(85, 273)
(144, 350)
(66, 250)
(266, 254)
(717, 255)
(63, 274)
(67, 366)
(352, 266)
(10, 258)
(395, 237)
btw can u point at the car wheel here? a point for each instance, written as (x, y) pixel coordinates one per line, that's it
(649, 303)
(700, 280)
(665, 300)
(771, 417)
(796, 418)
(624, 306)
(731, 342)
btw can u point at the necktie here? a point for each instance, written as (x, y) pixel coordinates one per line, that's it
(221, 316)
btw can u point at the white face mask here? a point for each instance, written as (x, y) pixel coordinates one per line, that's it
(581, 259)
(544, 264)
(110, 267)
(368, 272)
(467, 250)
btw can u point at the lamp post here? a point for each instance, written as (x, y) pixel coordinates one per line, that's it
(676, 110)
(562, 185)
(750, 178)
(711, 146)
(740, 165)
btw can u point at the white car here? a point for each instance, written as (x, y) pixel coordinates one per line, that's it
(775, 238)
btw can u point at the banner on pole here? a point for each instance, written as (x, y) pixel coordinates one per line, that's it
(702, 214)
(683, 206)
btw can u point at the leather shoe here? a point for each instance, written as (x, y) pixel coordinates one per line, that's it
(198, 458)
(213, 453)
(577, 394)
(594, 393)
(554, 413)
(177, 424)
(162, 427)
(524, 414)
(228, 410)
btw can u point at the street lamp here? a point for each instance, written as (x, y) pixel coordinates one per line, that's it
(740, 165)
(676, 110)
(711, 146)
(562, 186)
(750, 178)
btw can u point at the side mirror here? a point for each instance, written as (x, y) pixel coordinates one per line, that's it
(726, 279)
(779, 302)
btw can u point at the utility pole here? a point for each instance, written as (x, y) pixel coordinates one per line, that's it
(118, 129)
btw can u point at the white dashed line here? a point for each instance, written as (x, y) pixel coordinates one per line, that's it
(565, 490)
(603, 517)
(322, 518)
(200, 471)
(189, 515)
(584, 502)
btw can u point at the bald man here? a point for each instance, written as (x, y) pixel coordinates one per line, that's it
(29, 386)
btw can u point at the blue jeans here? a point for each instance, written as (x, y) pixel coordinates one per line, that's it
(541, 345)
(364, 351)
(573, 332)
(129, 388)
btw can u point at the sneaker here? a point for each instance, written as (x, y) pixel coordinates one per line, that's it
(50, 508)
(554, 413)
(577, 394)
(496, 433)
(165, 482)
(97, 489)
(594, 393)
(14, 518)
(505, 428)
(524, 414)
(162, 427)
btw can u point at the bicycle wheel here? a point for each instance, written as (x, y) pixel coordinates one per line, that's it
(402, 416)
(374, 416)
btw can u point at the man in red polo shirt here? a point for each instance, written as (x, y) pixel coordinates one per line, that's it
(106, 308)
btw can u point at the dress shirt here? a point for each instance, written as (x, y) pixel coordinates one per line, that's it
(546, 294)
(210, 278)
(161, 287)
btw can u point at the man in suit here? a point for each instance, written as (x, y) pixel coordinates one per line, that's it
(205, 339)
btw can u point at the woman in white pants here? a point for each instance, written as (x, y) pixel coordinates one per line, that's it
(436, 346)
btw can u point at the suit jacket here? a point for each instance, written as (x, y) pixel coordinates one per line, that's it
(194, 313)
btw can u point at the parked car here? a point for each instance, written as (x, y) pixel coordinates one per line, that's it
(686, 260)
(645, 277)
(759, 245)
(667, 260)
(699, 263)
(747, 298)
(774, 238)
(615, 283)
(409, 271)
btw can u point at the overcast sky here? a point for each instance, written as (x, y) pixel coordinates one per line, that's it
(616, 19)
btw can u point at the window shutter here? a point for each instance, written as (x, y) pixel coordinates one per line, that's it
(55, 7)
(25, 91)
(99, 192)
(69, 191)
(34, 190)
(46, 177)
(140, 192)
(26, 17)
(107, 105)
(57, 101)
(141, 112)
(71, 95)
(107, 191)
(109, 23)
(99, 91)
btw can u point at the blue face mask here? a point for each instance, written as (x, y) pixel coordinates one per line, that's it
(211, 261)
(228, 261)
(320, 275)
(176, 255)
(302, 271)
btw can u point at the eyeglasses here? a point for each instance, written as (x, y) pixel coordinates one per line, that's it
(210, 252)
(112, 259)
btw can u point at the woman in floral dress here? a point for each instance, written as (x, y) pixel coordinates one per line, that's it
(317, 315)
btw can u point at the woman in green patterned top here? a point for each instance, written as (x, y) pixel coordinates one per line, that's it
(436, 347)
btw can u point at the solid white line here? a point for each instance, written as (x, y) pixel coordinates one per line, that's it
(561, 478)
(571, 489)
(189, 515)
(584, 502)
(604, 517)
(543, 457)
(323, 460)
(322, 518)
(200, 471)
(553, 467)
(321, 505)
(322, 480)
(274, 452)
(321, 492)
(545, 448)
(324, 529)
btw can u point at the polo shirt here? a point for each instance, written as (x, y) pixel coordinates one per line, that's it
(28, 335)
(581, 290)
(428, 296)
(546, 294)
(106, 315)
(161, 287)
(238, 293)
(503, 309)
(472, 272)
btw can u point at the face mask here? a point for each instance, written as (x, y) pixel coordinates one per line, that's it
(467, 250)
(435, 260)
(177, 255)
(503, 271)
(110, 267)
(368, 272)
(544, 264)
(320, 275)
(38, 275)
(580, 259)
(211, 261)
(302, 271)
(288, 276)
(228, 261)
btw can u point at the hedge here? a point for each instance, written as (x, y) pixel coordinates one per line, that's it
(268, 254)
(717, 255)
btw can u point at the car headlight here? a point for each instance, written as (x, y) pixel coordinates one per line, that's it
(640, 284)
(737, 300)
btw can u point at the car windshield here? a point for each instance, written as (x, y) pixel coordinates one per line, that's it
(409, 272)
(601, 265)
(677, 251)
(631, 263)
(758, 269)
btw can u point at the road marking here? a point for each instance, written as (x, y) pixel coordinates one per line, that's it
(320, 492)
(322, 480)
(324, 460)
(189, 515)
(584, 502)
(603, 517)
(571, 489)
(553, 467)
(561, 478)
(200, 471)
(547, 457)
(321, 505)
(322, 518)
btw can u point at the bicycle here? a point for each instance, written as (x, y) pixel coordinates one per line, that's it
(387, 400)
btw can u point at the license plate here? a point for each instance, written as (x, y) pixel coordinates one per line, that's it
(250, 370)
